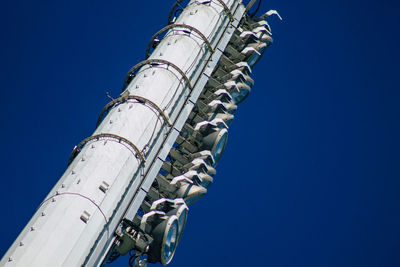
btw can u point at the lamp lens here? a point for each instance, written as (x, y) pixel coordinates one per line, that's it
(170, 241)
(193, 199)
(238, 97)
(219, 148)
(253, 60)
(205, 184)
(182, 222)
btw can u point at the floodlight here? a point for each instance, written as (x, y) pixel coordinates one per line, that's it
(254, 24)
(240, 39)
(259, 46)
(270, 13)
(261, 29)
(243, 55)
(206, 127)
(175, 207)
(164, 230)
(184, 157)
(226, 65)
(255, 57)
(229, 107)
(265, 38)
(217, 100)
(220, 94)
(217, 141)
(225, 116)
(189, 191)
(234, 75)
(199, 165)
(180, 187)
(206, 180)
(259, 34)
(206, 135)
(201, 178)
(238, 90)
(203, 109)
(218, 104)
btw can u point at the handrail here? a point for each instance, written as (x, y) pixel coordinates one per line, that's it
(152, 61)
(98, 137)
(171, 26)
(140, 99)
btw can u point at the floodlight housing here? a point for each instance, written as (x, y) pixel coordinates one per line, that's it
(184, 157)
(175, 207)
(229, 107)
(206, 180)
(180, 187)
(220, 94)
(217, 141)
(199, 165)
(164, 230)
(238, 90)
(234, 75)
(188, 190)
(243, 55)
(201, 136)
(201, 178)
(226, 65)
(254, 24)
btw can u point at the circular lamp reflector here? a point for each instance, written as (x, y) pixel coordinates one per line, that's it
(165, 235)
(182, 215)
(254, 59)
(192, 199)
(170, 240)
(216, 141)
(239, 96)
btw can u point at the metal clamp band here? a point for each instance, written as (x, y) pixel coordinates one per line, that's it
(153, 61)
(172, 11)
(171, 26)
(140, 99)
(227, 10)
(97, 137)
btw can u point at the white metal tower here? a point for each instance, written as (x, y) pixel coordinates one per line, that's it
(155, 148)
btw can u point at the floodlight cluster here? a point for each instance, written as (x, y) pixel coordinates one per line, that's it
(190, 166)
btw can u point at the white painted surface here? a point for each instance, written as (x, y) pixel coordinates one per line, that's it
(56, 235)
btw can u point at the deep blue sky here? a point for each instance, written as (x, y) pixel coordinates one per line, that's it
(310, 175)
